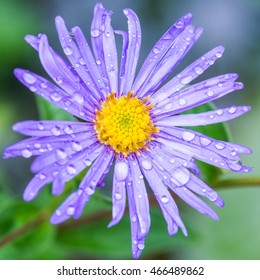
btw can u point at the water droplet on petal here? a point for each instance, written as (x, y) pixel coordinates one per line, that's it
(168, 106)
(61, 154)
(71, 169)
(95, 33)
(198, 70)
(210, 92)
(232, 110)
(218, 54)
(55, 131)
(121, 171)
(70, 210)
(26, 153)
(68, 129)
(87, 162)
(182, 101)
(211, 195)
(37, 145)
(156, 50)
(89, 191)
(147, 164)
(134, 219)
(29, 79)
(33, 89)
(58, 213)
(68, 51)
(220, 145)
(76, 146)
(188, 136)
(186, 80)
(245, 108)
(41, 176)
(98, 61)
(164, 199)
(220, 112)
(205, 141)
(118, 196)
(179, 24)
(82, 61)
(55, 96)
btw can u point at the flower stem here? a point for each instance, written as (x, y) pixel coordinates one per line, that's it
(237, 182)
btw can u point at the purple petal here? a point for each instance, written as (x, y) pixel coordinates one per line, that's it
(187, 75)
(178, 50)
(159, 50)
(110, 54)
(51, 128)
(161, 193)
(119, 191)
(130, 51)
(88, 59)
(211, 117)
(72, 52)
(75, 104)
(140, 197)
(197, 94)
(97, 40)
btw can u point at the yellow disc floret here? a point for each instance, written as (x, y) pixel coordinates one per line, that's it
(124, 123)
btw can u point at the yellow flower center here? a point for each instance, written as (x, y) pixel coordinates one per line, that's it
(124, 123)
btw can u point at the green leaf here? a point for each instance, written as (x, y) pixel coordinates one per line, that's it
(48, 111)
(219, 131)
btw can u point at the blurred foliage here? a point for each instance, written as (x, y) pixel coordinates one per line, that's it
(25, 231)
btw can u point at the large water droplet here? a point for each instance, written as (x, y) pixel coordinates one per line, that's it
(182, 101)
(188, 136)
(71, 169)
(95, 33)
(68, 51)
(121, 171)
(61, 154)
(55, 96)
(205, 141)
(198, 70)
(89, 191)
(164, 199)
(70, 210)
(118, 196)
(26, 153)
(140, 246)
(210, 92)
(76, 146)
(147, 164)
(232, 110)
(29, 79)
(68, 129)
(55, 131)
(220, 145)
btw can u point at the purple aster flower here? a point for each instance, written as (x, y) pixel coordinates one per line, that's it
(133, 121)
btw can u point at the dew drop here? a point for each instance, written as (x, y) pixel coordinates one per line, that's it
(29, 79)
(186, 80)
(245, 108)
(71, 169)
(55, 131)
(218, 54)
(70, 210)
(61, 154)
(118, 196)
(140, 246)
(182, 101)
(87, 162)
(95, 33)
(58, 213)
(37, 145)
(188, 136)
(68, 51)
(82, 61)
(89, 191)
(141, 176)
(179, 24)
(55, 96)
(205, 141)
(211, 195)
(220, 145)
(76, 146)
(220, 85)
(134, 219)
(41, 176)
(33, 89)
(147, 164)
(43, 85)
(198, 70)
(156, 50)
(232, 110)
(98, 61)
(164, 199)
(210, 92)
(220, 112)
(168, 106)
(172, 160)
(26, 153)
(234, 153)
(68, 129)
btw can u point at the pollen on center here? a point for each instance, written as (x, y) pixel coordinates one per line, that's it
(124, 123)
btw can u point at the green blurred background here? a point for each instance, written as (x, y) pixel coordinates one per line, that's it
(25, 232)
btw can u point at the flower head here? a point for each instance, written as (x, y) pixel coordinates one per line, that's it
(133, 121)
